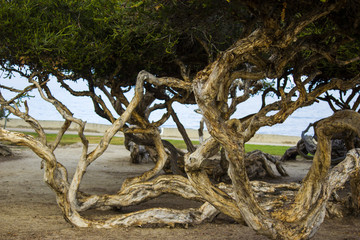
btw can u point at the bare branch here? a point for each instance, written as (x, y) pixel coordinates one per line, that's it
(183, 70)
(60, 134)
(189, 145)
(349, 61)
(30, 120)
(65, 113)
(167, 81)
(328, 99)
(154, 108)
(95, 98)
(11, 89)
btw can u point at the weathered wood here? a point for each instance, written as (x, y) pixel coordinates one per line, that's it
(257, 165)
(284, 211)
(211, 89)
(355, 192)
(5, 151)
(299, 218)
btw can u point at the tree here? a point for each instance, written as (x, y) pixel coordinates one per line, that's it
(4, 151)
(4, 114)
(223, 53)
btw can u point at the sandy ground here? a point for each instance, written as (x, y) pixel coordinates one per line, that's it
(28, 208)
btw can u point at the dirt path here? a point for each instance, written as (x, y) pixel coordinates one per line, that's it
(28, 208)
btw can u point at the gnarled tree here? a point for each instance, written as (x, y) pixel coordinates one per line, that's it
(225, 52)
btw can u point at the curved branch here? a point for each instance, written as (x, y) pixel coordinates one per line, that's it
(199, 179)
(142, 191)
(183, 70)
(103, 111)
(20, 92)
(291, 106)
(120, 122)
(162, 156)
(349, 61)
(65, 113)
(30, 120)
(166, 81)
(327, 128)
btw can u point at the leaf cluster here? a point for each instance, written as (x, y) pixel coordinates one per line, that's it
(102, 39)
(110, 41)
(71, 36)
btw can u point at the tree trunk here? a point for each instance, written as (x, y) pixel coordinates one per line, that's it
(355, 192)
(301, 218)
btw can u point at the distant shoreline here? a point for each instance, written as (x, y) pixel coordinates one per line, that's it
(166, 133)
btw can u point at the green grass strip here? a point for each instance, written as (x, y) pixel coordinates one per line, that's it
(73, 138)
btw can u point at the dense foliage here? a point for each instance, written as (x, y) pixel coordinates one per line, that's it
(113, 39)
(109, 42)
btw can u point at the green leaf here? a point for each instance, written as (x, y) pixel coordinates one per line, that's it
(138, 4)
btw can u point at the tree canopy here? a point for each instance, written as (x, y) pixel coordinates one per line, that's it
(104, 39)
(109, 42)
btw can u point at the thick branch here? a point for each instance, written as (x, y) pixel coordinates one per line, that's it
(166, 81)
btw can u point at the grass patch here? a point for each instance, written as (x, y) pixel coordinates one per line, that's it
(270, 149)
(73, 138)
(180, 143)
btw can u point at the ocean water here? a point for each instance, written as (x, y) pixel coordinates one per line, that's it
(82, 107)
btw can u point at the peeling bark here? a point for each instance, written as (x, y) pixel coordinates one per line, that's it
(301, 217)
(355, 192)
(308, 207)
